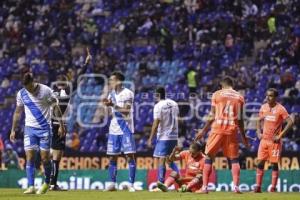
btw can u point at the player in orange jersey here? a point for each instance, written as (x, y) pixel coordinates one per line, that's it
(194, 160)
(226, 117)
(272, 115)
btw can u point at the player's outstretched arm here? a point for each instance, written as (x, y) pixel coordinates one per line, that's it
(83, 69)
(88, 58)
(211, 117)
(16, 118)
(174, 155)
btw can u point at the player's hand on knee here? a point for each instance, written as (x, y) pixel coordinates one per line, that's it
(12, 136)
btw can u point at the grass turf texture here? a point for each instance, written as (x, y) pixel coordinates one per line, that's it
(17, 194)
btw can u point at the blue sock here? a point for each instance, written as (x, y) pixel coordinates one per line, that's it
(47, 173)
(30, 170)
(132, 169)
(174, 167)
(161, 173)
(112, 170)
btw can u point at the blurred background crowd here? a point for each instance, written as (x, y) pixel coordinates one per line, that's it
(184, 45)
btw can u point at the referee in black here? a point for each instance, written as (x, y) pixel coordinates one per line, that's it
(63, 91)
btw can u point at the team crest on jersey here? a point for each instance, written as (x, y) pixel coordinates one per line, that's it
(271, 118)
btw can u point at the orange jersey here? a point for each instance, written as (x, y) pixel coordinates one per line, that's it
(228, 105)
(194, 166)
(273, 119)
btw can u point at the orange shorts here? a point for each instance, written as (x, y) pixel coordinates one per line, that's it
(268, 150)
(185, 180)
(228, 143)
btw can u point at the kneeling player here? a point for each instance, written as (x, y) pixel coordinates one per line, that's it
(192, 180)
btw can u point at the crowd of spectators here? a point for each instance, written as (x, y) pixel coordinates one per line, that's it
(255, 41)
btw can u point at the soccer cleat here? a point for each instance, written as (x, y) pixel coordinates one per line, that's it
(162, 186)
(131, 188)
(257, 189)
(29, 190)
(236, 190)
(203, 190)
(43, 189)
(183, 189)
(273, 189)
(56, 188)
(111, 188)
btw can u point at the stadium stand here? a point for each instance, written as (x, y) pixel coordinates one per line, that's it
(154, 43)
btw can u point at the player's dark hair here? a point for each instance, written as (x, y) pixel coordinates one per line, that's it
(62, 77)
(161, 92)
(27, 78)
(227, 80)
(198, 145)
(119, 75)
(275, 91)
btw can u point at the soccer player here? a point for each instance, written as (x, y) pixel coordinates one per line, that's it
(165, 125)
(120, 137)
(272, 116)
(226, 117)
(36, 99)
(58, 143)
(194, 160)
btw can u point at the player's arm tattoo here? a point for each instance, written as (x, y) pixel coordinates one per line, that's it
(289, 125)
(242, 127)
(16, 117)
(258, 127)
(210, 120)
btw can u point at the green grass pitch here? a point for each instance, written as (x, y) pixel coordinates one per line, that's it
(16, 194)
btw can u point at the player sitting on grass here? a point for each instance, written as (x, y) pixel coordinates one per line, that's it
(194, 159)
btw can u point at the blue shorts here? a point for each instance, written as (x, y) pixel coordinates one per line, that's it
(164, 148)
(117, 144)
(35, 138)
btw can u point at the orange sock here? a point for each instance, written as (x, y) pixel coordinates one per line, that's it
(235, 171)
(275, 174)
(206, 171)
(259, 176)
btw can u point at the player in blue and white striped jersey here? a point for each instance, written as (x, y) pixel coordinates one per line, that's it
(165, 126)
(121, 129)
(37, 100)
